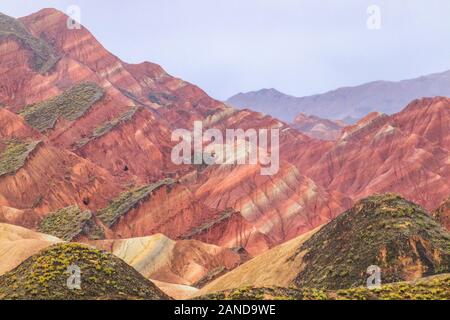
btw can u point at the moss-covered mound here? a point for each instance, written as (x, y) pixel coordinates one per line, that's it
(108, 126)
(129, 200)
(103, 276)
(44, 57)
(70, 105)
(432, 288)
(66, 223)
(383, 230)
(14, 155)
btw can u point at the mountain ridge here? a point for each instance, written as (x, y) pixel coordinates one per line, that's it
(346, 102)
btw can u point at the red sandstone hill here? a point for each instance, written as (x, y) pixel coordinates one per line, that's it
(119, 121)
(406, 153)
(105, 128)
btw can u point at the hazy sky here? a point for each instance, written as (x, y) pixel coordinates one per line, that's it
(300, 47)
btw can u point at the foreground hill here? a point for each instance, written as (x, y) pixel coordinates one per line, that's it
(429, 288)
(348, 102)
(383, 230)
(103, 276)
(178, 268)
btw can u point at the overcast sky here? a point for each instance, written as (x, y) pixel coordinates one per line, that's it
(300, 47)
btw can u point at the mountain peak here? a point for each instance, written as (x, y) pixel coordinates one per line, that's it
(384, 230)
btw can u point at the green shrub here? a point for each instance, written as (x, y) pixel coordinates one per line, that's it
(129, 200)
(66, 223)
(14, 156)
(223, 216)
(70, 105)
(108, 126)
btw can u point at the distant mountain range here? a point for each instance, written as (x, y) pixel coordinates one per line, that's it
(346, 103)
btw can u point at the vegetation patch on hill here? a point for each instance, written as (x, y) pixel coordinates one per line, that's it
(129, 200)
(225, 215)
(431, 288)
(108, 126)
(15, 155)
(45, 275)
(269, 293)
(44, 57)
(70, 105)
(383, 230)
(164, 98)
(66, 223)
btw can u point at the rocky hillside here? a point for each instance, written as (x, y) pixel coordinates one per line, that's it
(114, 139)
(405, 153)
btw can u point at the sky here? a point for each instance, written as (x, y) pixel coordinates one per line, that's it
(300, 47)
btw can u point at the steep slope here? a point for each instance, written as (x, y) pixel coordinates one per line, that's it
(283, 205)
(383, 230)
(31, 183)
(271, 268)
(18, 244)
(126, 131)
(100, 117)
(353, 102)
(103, 276)
(279, 206)
(13, 126)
